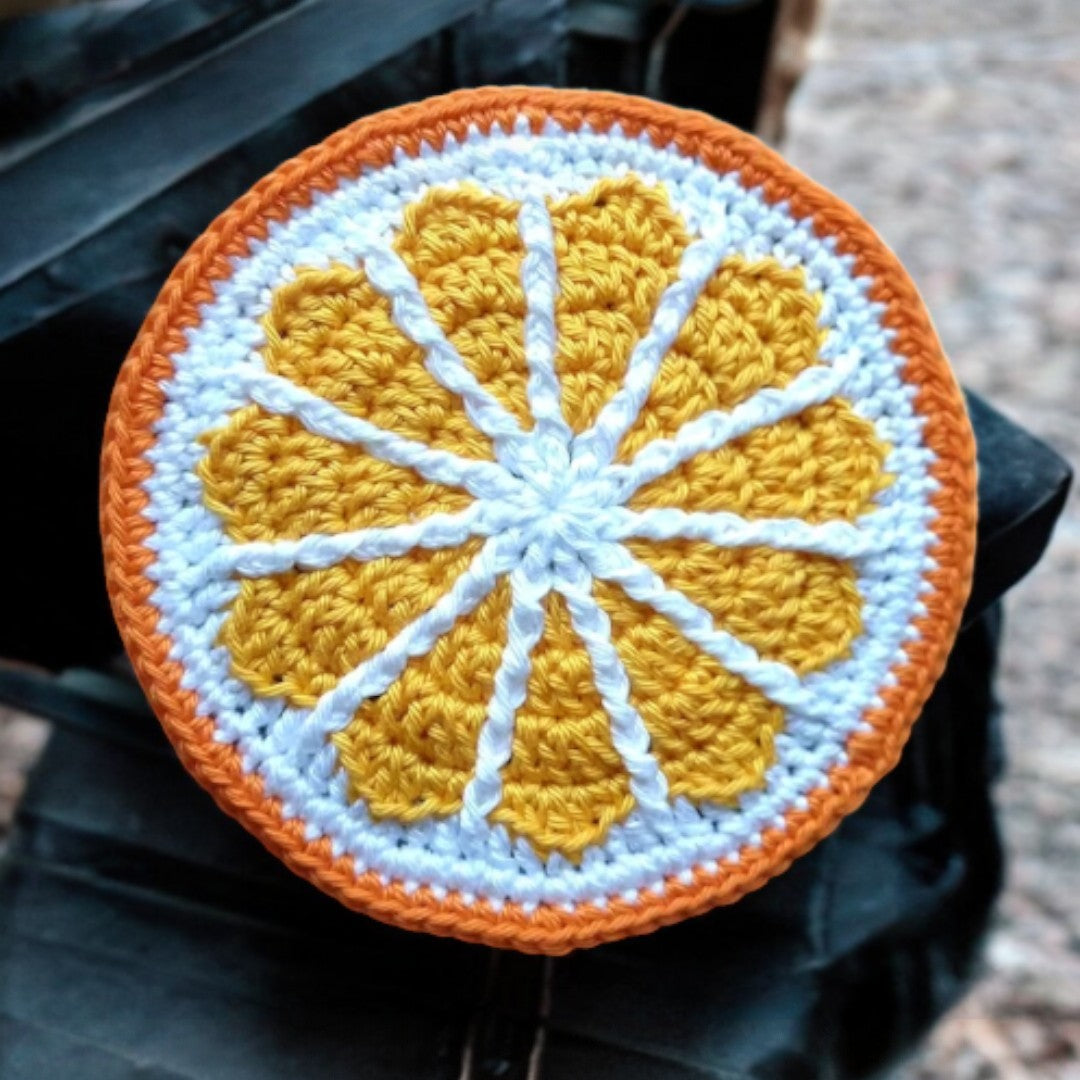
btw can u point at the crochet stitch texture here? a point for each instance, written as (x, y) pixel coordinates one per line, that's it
(538, 515)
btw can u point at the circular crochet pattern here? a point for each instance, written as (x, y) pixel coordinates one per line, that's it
(538, 516)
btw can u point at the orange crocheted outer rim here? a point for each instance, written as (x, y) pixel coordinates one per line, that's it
(138, 401)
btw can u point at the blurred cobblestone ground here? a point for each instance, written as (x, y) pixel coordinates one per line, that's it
(22, 739)
(955, 128)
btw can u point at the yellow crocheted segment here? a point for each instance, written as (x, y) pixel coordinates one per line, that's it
(822, 465)
(755, 325)
(617, 248)
(464, 249)
(409, 753)
(330, 332)
(712, 733)
(565, 785)
(294, 635)
(270, 479)
(801, 609)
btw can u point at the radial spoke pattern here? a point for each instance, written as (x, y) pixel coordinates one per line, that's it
(628, 731)
(387, 272)
(699, 262)
(838, 539)
(526, 539)
(318, 551)
(714, 429)
(283, 397)
(777, 681)
(376, 674)
(539, 281)
(529, 583)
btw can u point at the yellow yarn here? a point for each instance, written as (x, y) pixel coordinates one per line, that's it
(823, 465)
(330, 332)
(798, 608)
(755, 325)
(464, 249)
(409, 754)
(712, 732)
(270, 479)
(295, 635)
(565, 785)
(617, 248)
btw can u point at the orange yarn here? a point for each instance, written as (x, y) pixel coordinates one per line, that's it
(137, 402)
(409, 753)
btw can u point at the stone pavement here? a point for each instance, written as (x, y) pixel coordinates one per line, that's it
(954, 126)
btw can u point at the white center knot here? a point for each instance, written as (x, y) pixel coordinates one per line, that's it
(552, 515)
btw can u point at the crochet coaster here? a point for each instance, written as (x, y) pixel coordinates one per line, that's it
(537, 515)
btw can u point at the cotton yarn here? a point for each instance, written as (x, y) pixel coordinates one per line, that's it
(538, 515)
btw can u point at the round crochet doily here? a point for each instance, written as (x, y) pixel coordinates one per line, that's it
(538, 516)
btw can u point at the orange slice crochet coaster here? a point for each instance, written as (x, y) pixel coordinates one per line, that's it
(538, 516)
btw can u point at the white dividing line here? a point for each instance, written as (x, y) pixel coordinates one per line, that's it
(539, 282)
(283, 397)
(529, 583)
(629, 734)
(387, 272)
(875, 532)
(698, 264)
(713, 429)
(775, 680)
(317, 551)
(371, 678)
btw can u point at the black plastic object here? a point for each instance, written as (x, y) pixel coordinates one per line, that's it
(145, 934)
(703, 54)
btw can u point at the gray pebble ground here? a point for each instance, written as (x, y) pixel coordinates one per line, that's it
(954, 126)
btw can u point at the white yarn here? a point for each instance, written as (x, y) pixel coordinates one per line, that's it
(283, 397)
(596, 447)
(371, 678)
(839, 539)
(575, 523)
(387, 272)
(317, 551)
(629, 735)
(539, 282)
(775, 680)
(530, 582)
(713, 429)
